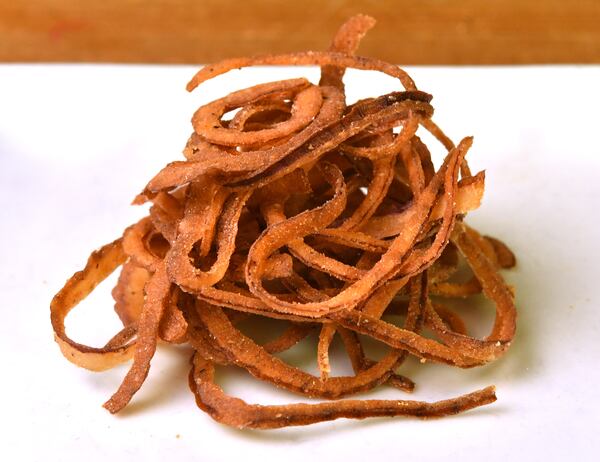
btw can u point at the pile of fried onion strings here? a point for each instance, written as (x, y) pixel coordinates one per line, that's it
(293, 205)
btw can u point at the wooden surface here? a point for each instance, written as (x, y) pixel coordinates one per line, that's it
(196, 31)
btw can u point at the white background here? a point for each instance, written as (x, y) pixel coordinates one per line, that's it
(78, 142)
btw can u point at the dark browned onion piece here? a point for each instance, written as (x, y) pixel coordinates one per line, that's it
(237, 413)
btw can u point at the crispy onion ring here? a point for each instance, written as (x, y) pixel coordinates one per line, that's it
(207, 119)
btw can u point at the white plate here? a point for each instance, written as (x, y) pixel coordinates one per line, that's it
(78, 142)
